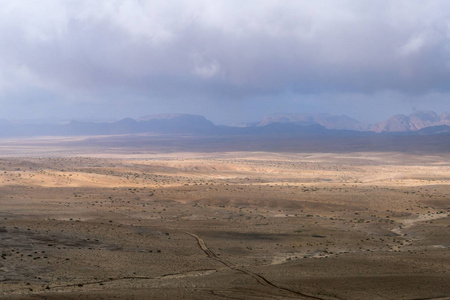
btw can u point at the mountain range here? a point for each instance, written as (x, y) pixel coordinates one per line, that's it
(326, 120)
(417, 123)
(398, 123)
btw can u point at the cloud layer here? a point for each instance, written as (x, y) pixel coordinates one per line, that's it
(91, 52)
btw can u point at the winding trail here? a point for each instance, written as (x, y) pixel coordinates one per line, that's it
(259, 278)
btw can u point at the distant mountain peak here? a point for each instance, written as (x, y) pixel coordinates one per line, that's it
(414, 121)
(328, 121)
(170, 117)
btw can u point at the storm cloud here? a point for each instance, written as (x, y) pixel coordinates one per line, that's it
(88, 57)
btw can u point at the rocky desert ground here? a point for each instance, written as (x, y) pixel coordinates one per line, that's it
(121, 223)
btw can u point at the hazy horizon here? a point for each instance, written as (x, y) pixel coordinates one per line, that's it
(228, 61)
(112, 119)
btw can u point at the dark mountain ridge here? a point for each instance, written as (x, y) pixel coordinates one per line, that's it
(274, 125)
(326, 120)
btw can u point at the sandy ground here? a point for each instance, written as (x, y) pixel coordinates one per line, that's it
(235, 225)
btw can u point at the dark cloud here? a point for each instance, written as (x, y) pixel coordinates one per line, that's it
(160, 52)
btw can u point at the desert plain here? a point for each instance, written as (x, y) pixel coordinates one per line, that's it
(141, 222)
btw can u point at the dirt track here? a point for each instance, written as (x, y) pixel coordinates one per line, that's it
(258, 277)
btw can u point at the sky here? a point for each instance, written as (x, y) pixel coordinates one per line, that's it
(231, 61)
